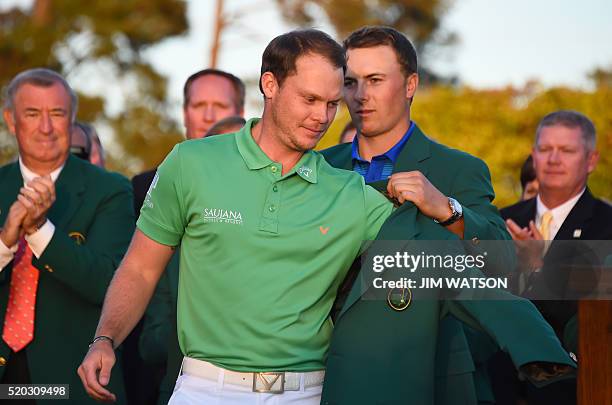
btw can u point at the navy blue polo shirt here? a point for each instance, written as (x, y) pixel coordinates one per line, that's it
(381, 166)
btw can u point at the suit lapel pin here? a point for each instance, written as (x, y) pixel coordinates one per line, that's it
(78, 237)
(577, 233)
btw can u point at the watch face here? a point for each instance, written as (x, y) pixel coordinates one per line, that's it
(457, 213)
(456, 207)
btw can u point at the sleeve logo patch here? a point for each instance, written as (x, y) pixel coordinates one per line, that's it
(147, 201)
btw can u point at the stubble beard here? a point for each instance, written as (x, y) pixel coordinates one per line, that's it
(284, 135)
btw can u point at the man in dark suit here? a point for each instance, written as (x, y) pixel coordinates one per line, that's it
(210, 95)
(417, 357)
(66, 226)
(564, 155)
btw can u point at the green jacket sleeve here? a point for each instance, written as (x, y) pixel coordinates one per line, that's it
(483, 223)
(472, 188)
(516, 326)
(159, 318)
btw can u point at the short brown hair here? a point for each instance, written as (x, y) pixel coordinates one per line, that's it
(570, 119)
(371, 36)
(237, 84)
(282, 52)
(226, 124)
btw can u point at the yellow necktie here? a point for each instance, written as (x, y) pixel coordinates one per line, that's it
(544, 228)
(545, 225)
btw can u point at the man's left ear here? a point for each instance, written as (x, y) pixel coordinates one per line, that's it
(593, 158)
(269, 85)
(412, 82)
(9, 119)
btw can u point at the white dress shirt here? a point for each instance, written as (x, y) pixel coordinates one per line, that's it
(559, 214)
(38, 240)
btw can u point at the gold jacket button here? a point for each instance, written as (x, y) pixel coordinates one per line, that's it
(2, 361)
(48, 268)
(475, 240)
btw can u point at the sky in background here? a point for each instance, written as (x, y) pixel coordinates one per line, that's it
(500, 42)
(557, 42)
(510, 42)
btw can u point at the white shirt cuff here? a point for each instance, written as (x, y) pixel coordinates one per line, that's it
(39, 240)
(6, 254)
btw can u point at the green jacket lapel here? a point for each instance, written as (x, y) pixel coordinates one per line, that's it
(407, 221)
(356, 291)
(415, 153)
(413, 156)
(69, 189)
(11, 183)
(339, 156)
(404, 223)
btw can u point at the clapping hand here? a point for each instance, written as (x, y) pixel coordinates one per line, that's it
(37, 197)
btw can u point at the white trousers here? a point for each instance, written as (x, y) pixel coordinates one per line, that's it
(191, 390)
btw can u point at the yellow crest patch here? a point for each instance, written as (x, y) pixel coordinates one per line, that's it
(78, 237)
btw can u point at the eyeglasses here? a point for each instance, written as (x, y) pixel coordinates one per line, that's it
(80, 152)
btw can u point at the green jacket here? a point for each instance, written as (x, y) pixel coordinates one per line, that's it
(74, 272)
(158, 343)
(421, 355)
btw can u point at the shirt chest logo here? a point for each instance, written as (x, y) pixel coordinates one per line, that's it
(222, 215)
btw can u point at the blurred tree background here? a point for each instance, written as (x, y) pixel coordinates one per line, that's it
(101, 41)
(420, 20)
(104, 42)
(497, 125)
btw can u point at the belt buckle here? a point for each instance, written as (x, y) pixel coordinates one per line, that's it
(269, 382)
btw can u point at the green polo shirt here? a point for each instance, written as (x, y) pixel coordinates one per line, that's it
(262, 254)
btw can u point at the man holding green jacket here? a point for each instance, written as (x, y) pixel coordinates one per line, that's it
(411, 355)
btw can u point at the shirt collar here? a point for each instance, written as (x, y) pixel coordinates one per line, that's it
(391, 154)
(28, 175)
(306, 168)
(256, 159)
(559, 213)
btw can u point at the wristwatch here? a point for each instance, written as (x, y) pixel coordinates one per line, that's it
(456, 215)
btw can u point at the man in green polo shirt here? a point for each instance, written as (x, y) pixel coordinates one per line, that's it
(265, 241)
